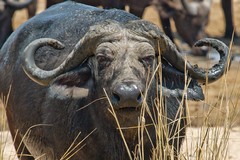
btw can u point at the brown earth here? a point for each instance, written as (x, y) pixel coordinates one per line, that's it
(221, 106)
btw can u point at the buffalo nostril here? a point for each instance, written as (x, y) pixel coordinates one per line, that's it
(116, 97)
(139, 98)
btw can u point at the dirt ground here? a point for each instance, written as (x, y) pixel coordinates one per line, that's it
(222, 98)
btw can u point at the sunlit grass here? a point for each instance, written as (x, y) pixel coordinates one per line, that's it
(4, 136)
(2, 127)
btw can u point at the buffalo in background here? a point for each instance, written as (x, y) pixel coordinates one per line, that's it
(190, 17)
(7, 9)
(61, 64)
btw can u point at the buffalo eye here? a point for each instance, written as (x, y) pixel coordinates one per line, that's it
(103, 61)
(104, 55)
(148, 60)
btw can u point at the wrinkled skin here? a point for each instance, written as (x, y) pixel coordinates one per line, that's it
(63, 96)
(6, 14)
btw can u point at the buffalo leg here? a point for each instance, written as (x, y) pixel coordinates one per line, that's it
(228, 15)
(32, 9)
(166, 25)
(113, 4)
(137, 11)
(52, 2)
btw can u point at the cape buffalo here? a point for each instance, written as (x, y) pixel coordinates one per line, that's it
(7, 9)
(72, 70)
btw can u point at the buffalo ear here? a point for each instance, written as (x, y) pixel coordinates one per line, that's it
(73, 84)
(194, 91)
(173, 84)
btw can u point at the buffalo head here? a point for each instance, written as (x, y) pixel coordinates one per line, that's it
(190, 18)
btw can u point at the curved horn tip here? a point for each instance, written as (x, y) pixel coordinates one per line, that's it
(29, 66)
(36, 79)
(208, 41)
(47, 41)
(56, 44)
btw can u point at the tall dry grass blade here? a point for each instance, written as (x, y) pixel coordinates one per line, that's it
(3, 125)
(25, 137)
(71, 151)
(112, 111)
(96, 100)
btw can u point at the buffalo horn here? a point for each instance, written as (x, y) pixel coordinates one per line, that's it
(82, 50)
(218, 69)
(169, 51)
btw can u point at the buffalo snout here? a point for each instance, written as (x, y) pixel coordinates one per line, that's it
(127, 95)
